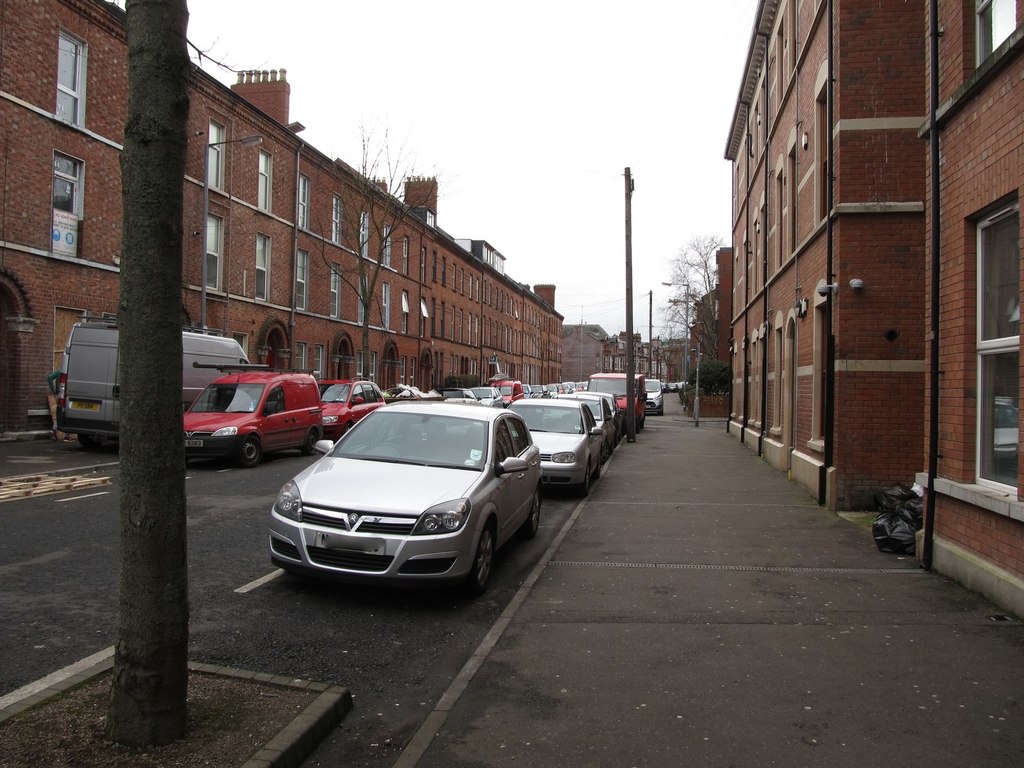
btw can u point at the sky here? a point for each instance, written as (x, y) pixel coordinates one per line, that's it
(528, 114)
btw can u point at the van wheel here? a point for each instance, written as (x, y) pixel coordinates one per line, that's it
(309, 447)
(88, 441)
(251, 452)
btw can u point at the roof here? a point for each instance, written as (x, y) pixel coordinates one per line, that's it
(764, 20)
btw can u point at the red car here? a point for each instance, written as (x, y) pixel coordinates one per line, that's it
(346, 402)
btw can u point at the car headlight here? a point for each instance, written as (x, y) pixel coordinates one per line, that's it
(225, 432)
(566, 457)
(330, 419)
(289, 503)
(443, 518)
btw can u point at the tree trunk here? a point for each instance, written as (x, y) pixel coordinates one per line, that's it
(148, 691)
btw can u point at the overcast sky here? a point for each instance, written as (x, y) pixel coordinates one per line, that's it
(528, 113)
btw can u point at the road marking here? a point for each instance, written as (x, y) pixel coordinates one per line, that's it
(259, 582)
(55, 677)
(87, 496)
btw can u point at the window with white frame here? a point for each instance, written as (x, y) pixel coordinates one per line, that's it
(998, 345)
(405, 312)
(304, 202)
(214, 249)
(364, 234)
(996, 20)
(300, 356)
(215, 156)
(361, 308)
(70, 79)
(386, 253)
(373, 366)
(264, 184)
(385, 306)
(262, 267)
(301, 279)
(336, 220)
(318, 360)
(361, 363)
(67, 181)
(336, 290)
(405, 255)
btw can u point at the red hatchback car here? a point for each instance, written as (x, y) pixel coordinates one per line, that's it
(346, 402)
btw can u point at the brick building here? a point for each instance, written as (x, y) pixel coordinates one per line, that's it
(829, 244)
(974, 226)
(281, 241)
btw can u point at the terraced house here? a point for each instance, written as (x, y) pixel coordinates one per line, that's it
(876, 151)
(309, 261)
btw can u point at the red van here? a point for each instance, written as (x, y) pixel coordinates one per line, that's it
(510, 390)
(615, 384)
(247, 412)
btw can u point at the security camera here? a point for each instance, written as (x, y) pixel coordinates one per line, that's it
(825, 290)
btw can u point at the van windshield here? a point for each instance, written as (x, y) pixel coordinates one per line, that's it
(228, 398)
(609, 386)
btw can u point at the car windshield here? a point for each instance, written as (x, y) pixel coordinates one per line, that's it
(611, 386)
(336, 393)
(506, 389)
(551, 419)
(653, 385)
(228, 398)
(483, 392)
(416, 438)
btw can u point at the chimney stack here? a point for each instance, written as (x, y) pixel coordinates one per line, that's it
(267, 90)
(421, 192)
(546, 293)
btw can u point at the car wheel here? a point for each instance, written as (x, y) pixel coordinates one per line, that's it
(251, 452)
(309, 446)
(480, 573)
(584, 487)
(88, 441)
(345, 428)
(531, 524)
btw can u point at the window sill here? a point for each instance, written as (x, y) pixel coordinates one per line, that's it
(1003, 503)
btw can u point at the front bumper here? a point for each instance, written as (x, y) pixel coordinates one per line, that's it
(324, 549)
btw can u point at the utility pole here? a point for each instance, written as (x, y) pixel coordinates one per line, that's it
(630, 362)
(650, 334)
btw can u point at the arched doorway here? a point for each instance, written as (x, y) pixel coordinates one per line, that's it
(272, 345)
(426, 371)
(19, 380)
(389, 369)
(343, 358)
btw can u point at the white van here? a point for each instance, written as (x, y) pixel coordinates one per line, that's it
(87, 398)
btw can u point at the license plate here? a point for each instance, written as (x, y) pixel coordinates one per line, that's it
(193, 443)
(78, 405)
(352, 543)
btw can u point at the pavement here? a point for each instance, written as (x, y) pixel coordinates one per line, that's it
(698, 608)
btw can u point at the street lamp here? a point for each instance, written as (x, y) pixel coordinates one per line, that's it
(246, 141)
(686, 338)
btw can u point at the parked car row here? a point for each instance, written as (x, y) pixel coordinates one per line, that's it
(426, 491)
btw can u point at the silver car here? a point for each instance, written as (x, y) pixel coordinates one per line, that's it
(418, 491)
(569, 439)
(603, 408)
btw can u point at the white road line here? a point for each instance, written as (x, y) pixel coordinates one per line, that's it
(259, 582)
(55, 677)
(87, 496)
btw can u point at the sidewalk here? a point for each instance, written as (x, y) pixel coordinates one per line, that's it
(702, 610)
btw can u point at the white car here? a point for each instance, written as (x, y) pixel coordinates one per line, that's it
(415, 491)
(570, 441)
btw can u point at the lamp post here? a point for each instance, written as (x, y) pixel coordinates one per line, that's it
(247, 141)
(696, 394)
(686, 338)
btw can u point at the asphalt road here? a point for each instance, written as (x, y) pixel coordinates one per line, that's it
(396, 650)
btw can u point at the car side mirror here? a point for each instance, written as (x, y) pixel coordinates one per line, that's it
(511, 465)
(358, 400)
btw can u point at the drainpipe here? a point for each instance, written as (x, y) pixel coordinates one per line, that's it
(295, 251)
(933, 384)
(828, 409)
(764, 261)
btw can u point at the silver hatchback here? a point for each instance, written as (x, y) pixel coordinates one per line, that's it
(415, 492)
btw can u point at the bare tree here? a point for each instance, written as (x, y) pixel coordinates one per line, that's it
(149, 686)
(695, 279)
